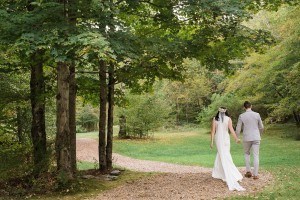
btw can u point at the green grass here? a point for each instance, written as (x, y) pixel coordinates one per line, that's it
(279, 154)
(83, 165)
(192, 148)
(93, 135)
(170, 147)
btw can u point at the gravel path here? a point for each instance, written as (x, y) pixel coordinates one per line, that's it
(177, 182)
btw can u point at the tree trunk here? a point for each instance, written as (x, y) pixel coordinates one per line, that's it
(122, 131)
(102, 117)
(72, 117)
(177, 111)
(38, 132)
(297, 118)
(19, 125)
(186, 112)
(110, 121)
(63, 154)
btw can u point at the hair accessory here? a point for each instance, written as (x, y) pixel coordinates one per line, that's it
(222, 110)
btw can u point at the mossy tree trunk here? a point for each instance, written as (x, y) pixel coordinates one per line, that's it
(110, 120)
(63, 152)
(37, 98)
(72, 117)
(102, 116)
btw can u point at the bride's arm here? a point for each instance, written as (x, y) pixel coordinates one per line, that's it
(237, 140)
(212, 133)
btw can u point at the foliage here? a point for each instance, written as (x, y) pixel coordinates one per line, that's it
(146, 113)
(271, 80)
(87, 119)
(50, 118)
(190, 96)
(232, 102)
(15, 157)
(13, 101)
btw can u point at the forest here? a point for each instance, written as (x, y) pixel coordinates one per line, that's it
(132, 74)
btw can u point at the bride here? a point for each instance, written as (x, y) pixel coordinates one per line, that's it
(224, 167)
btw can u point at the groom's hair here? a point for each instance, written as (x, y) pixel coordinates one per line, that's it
(247, 104)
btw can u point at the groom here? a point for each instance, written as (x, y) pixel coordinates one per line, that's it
(252, 128)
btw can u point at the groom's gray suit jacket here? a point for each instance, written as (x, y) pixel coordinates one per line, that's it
(252, 126)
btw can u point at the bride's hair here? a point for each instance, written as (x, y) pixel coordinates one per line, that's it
(221, 109)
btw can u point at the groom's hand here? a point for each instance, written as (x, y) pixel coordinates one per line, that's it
(211, 145)
(238, 141)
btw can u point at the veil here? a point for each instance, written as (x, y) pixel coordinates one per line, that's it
(221, 116)
(222, 111)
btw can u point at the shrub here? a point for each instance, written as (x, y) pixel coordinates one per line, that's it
(145, 113)
(87, 119)
(15, 158)
(233, 104)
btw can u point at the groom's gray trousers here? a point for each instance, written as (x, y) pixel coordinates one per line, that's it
(254, 145)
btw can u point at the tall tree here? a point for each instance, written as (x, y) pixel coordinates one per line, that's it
(72, 17)
(37, 97)
(110, 116)
(66, 97)
(72, 116)
(102, 115)
(62, 144)
(22, 36)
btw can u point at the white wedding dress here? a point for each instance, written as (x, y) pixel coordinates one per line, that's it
(224, 167)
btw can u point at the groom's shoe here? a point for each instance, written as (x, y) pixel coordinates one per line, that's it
(248, 175)
(255, 177)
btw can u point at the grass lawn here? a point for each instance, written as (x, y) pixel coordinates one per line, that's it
(94, 134)
(279, 153)
(83, 165)
(192, 148)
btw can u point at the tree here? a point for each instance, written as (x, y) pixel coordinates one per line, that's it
(232, 102)
(270, 79)
(122, 123)
(38, 129)
(88, 118)
(62, 143)
(146, 112)
(102, 116)
(29, 53)
(190, 96)
(110, 120)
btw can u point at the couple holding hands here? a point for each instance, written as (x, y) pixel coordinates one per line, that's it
(252, 126)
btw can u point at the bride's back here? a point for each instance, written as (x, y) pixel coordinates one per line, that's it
(222, 124)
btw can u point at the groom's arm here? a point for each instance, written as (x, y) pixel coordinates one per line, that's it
(260, 125)
(239, 126)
